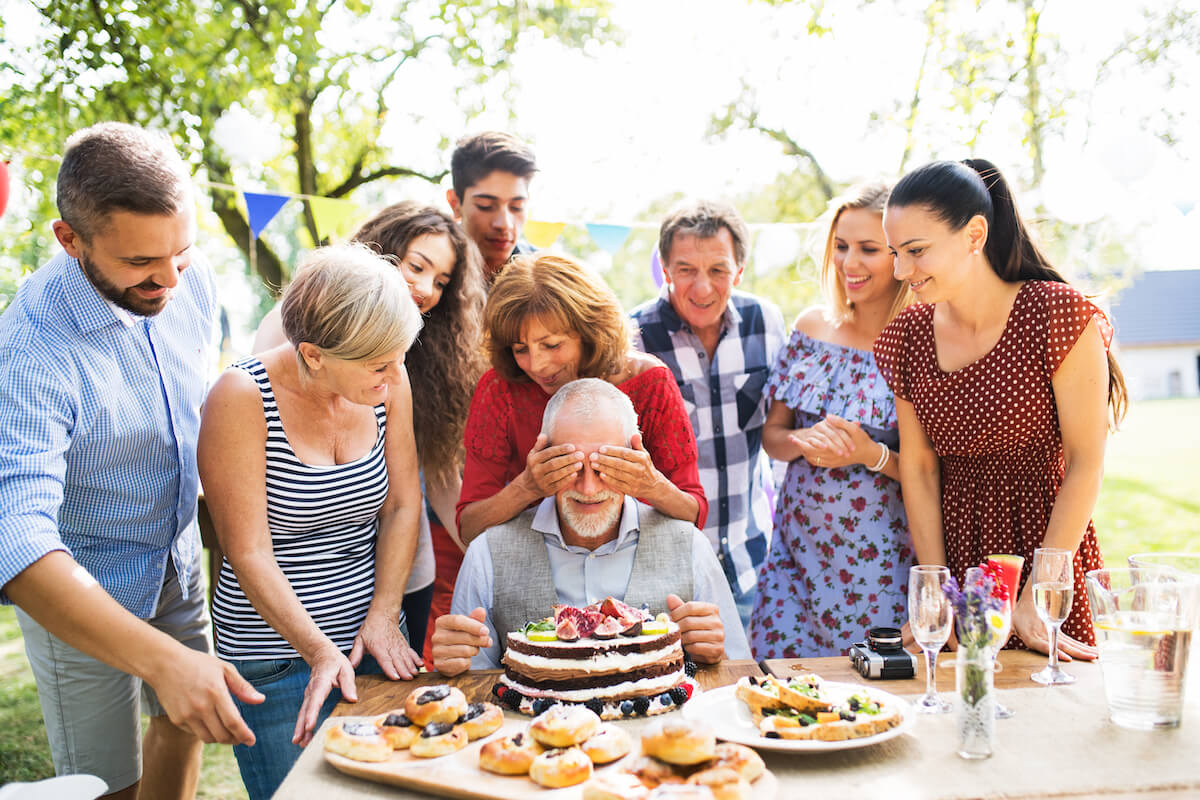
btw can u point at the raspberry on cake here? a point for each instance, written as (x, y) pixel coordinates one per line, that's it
(615, 659)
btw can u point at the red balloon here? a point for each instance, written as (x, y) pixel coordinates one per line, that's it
(3, 187)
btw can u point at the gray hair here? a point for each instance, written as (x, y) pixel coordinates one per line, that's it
(703, 219)
(118, 167)
(591, 397)
(350, 302)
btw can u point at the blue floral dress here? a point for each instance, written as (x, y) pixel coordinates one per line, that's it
(840, 552)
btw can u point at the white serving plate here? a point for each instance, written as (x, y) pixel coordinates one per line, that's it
(731, 720)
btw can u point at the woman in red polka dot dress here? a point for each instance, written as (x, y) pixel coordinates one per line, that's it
(1003, 380)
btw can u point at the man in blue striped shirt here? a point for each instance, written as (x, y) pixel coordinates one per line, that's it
(102, 356)
(721, 345)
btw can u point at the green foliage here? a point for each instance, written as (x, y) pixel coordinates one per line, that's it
(322, 73)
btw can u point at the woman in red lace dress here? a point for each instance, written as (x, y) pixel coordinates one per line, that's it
(548, 321)
(1002, 377)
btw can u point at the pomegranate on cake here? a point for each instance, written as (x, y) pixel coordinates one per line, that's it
(617, 660)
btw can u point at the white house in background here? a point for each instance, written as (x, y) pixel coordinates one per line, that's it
(1157, 322)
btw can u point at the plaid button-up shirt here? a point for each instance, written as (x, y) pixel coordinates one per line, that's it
(725, 400)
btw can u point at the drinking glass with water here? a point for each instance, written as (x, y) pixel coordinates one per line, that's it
(1144, 617)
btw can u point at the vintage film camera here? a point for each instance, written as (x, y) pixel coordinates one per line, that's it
(882, 657)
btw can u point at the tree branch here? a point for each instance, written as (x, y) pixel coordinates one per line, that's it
(792, 148)
(358, 179)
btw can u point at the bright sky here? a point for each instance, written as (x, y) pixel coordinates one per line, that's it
(617, 129)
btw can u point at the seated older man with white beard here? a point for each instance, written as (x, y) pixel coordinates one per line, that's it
(584, 544)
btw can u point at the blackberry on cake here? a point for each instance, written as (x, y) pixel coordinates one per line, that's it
(614, 659)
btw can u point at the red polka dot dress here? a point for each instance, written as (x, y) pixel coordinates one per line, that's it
(994, 426)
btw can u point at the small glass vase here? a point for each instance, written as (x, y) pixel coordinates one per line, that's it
(975, 702)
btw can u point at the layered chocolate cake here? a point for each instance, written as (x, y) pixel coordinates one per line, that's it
(614, 659)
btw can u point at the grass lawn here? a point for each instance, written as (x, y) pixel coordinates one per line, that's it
(1150, 501)
(1151, 494)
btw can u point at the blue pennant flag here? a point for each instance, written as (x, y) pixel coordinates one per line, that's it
(609, 237)
(262, 208)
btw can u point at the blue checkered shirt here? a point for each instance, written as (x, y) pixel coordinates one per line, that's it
(725, 400)
(99, 413)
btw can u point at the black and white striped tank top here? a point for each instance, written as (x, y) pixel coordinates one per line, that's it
(323, 522)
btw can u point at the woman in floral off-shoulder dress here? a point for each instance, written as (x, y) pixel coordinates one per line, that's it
(840, 552)
(1003, 384)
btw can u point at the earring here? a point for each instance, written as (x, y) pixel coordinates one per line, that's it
(975, 252)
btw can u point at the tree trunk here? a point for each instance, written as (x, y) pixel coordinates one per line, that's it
(224, 203)
(1033, 91)
(305, 168)
(910, 124)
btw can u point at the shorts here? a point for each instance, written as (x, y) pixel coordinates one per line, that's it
(91, 710)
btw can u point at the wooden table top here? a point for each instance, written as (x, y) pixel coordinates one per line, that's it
(1016, 667)
(1060, 743)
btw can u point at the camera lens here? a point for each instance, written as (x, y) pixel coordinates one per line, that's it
(884, 640)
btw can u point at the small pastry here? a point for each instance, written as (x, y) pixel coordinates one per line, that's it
(607, 744)
(481, 719)
(615, 786)
(434, 704)
(360, 741)
(779, 726)
(724, 783)
(758, 694)
(801, 692)
(511, 755)
(741, 759)
(438, 739)
(557, 768)
(397, 729)
(678, 741)
(653, 773)
(564, 725)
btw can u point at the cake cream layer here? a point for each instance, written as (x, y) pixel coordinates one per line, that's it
(540, 668)
(586, 680)
(619, 691)
(587, 648)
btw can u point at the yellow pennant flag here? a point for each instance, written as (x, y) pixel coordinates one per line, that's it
(543, 234)
(331, 216)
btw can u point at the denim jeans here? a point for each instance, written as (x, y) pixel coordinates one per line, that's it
(282, 680)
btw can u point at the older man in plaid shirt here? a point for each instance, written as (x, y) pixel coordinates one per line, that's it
(721, 344)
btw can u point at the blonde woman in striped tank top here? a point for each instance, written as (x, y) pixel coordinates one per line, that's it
(307, 457)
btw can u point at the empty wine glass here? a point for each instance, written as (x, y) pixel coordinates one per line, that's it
(929, 618)
(1053, 587)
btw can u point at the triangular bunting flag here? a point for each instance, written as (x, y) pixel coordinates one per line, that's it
(609, 237)
(656, 271)
(330, 215)
(543, 234)
(261, 209)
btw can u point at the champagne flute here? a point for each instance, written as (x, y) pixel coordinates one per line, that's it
(929, 618)
(1053, 587)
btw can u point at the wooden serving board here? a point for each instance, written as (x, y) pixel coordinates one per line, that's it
(458, 774)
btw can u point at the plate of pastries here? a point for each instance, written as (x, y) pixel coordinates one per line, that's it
(437, 742)
(802, 713)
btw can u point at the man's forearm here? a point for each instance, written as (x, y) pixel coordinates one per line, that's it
(67, 601)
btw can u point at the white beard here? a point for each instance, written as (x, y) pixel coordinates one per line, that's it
(592, 526)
